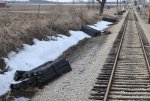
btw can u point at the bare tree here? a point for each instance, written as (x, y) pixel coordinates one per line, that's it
(89, 4)
(117, 9)
(73, 1)
(144, 7)
(102, 4)
(120, 4)
(39, 8)
(93, 3)
(149, 13)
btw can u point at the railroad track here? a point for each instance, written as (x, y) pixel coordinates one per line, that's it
(125, 75)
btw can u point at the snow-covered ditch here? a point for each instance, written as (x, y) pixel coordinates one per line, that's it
(40, 52)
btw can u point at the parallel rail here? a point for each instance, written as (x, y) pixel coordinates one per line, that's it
(129, 91)
(129, 78)
(115, 63)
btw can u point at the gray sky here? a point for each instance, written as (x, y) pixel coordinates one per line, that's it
(62, 0)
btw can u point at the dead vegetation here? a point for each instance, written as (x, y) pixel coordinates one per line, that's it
(17, 28)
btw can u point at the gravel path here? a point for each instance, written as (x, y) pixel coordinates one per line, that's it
(76, 85)
(144, 24)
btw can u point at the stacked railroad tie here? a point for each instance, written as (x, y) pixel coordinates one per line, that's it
(120, 12)
(90, 31)
(41, 75)
(93, 32)
(110, 19)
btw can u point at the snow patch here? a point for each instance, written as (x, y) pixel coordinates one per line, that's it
(101, 25)
(40, 52)
(21, 99)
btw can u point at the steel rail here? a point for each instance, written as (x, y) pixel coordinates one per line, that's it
(143, 48)
(144, 52)
(116, 60)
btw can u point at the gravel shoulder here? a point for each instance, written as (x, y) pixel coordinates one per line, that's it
(144, 24)
(86, 62)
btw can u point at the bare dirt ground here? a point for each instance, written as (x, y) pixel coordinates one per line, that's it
(86, 63)
(144, 24)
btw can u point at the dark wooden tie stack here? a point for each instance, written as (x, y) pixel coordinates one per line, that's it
(41, 75)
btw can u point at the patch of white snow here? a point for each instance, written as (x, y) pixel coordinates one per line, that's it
(40, 52)
(100, 25)
(21, 99)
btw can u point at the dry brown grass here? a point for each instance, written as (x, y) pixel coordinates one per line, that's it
(17, 28)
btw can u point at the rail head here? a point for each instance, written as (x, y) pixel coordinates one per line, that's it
(116, 59)
(142, 45)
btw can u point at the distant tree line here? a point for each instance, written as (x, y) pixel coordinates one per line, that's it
(39, 1)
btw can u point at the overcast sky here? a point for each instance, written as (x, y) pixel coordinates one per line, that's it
(65, 0)
(58, 0)
(71, 0)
